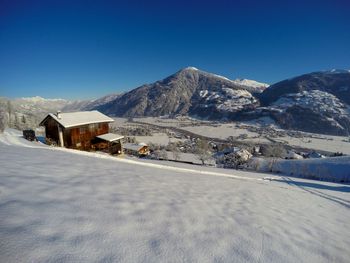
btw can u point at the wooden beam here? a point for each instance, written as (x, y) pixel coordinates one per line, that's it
(60, 135)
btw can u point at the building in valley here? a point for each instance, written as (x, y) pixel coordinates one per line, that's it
(140, 149)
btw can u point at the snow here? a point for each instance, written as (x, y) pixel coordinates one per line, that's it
(337, 71)
(69, 206)
(203, 93)
(221, 77)
(71, 119)
(191, 68)
(133, 146)
(236, 99)
(227, 99)
(314, 141)
(319, 101)
(188, 158)
(110, 137)
(319, 142)
(251, 83)
(223, 131)
(38, 99)
(157, 138)
(335, 169)
(259, 86)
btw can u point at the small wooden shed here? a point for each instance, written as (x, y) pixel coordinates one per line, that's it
(140, 149)
(80, 130)
(110, 142)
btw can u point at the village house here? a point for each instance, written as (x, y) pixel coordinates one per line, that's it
(84, 130)
(140, 149)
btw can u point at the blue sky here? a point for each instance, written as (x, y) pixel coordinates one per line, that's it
(86, 49)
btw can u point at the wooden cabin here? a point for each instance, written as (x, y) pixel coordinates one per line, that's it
(84, 130)
(141, 149)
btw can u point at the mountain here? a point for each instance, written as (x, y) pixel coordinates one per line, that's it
(315, 102)
(78, 105)
(22, 113)
(189, 91)
(260, 87)
(336, 82)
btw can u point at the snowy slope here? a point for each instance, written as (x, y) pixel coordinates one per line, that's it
(252, 83)
(226, 100)
(318, 101)
(336, 169)
(62, 206)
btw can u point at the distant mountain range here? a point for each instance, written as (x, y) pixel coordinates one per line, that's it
(315, 102)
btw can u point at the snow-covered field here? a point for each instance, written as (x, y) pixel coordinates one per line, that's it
(70, 206)
(334, 169)
(157, 138)
(223, 130)
(327, 143)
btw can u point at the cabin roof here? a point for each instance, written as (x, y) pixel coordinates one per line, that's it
(133, 146)
(72, 119)
(110, 137)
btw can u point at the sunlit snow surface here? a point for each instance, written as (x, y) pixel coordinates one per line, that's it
(226, 99)
(316, 100)
(62, 206)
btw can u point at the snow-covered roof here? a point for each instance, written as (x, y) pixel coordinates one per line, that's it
(110, 137)
(72, 119)
(133, 146)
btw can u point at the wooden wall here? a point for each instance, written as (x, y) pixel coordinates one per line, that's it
(81, 137)
(78, 137)
(51, 130)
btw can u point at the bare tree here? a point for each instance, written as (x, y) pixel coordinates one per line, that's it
(203, 151)
(174, 150)
(231, 140)
(274, 151)
(163, 154)
(3, 119)
(16, 123)
(10, 111)
(176, 155)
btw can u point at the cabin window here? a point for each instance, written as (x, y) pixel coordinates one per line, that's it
(93, 127)
(83, 130)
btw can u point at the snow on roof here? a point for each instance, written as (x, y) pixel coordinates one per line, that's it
(110, 137)
(133, 146)
(72, 119)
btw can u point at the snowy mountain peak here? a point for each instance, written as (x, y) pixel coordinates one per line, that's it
(37, 99)
(337, 71)
(240, 82)
(251, 83)
(191, 68)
